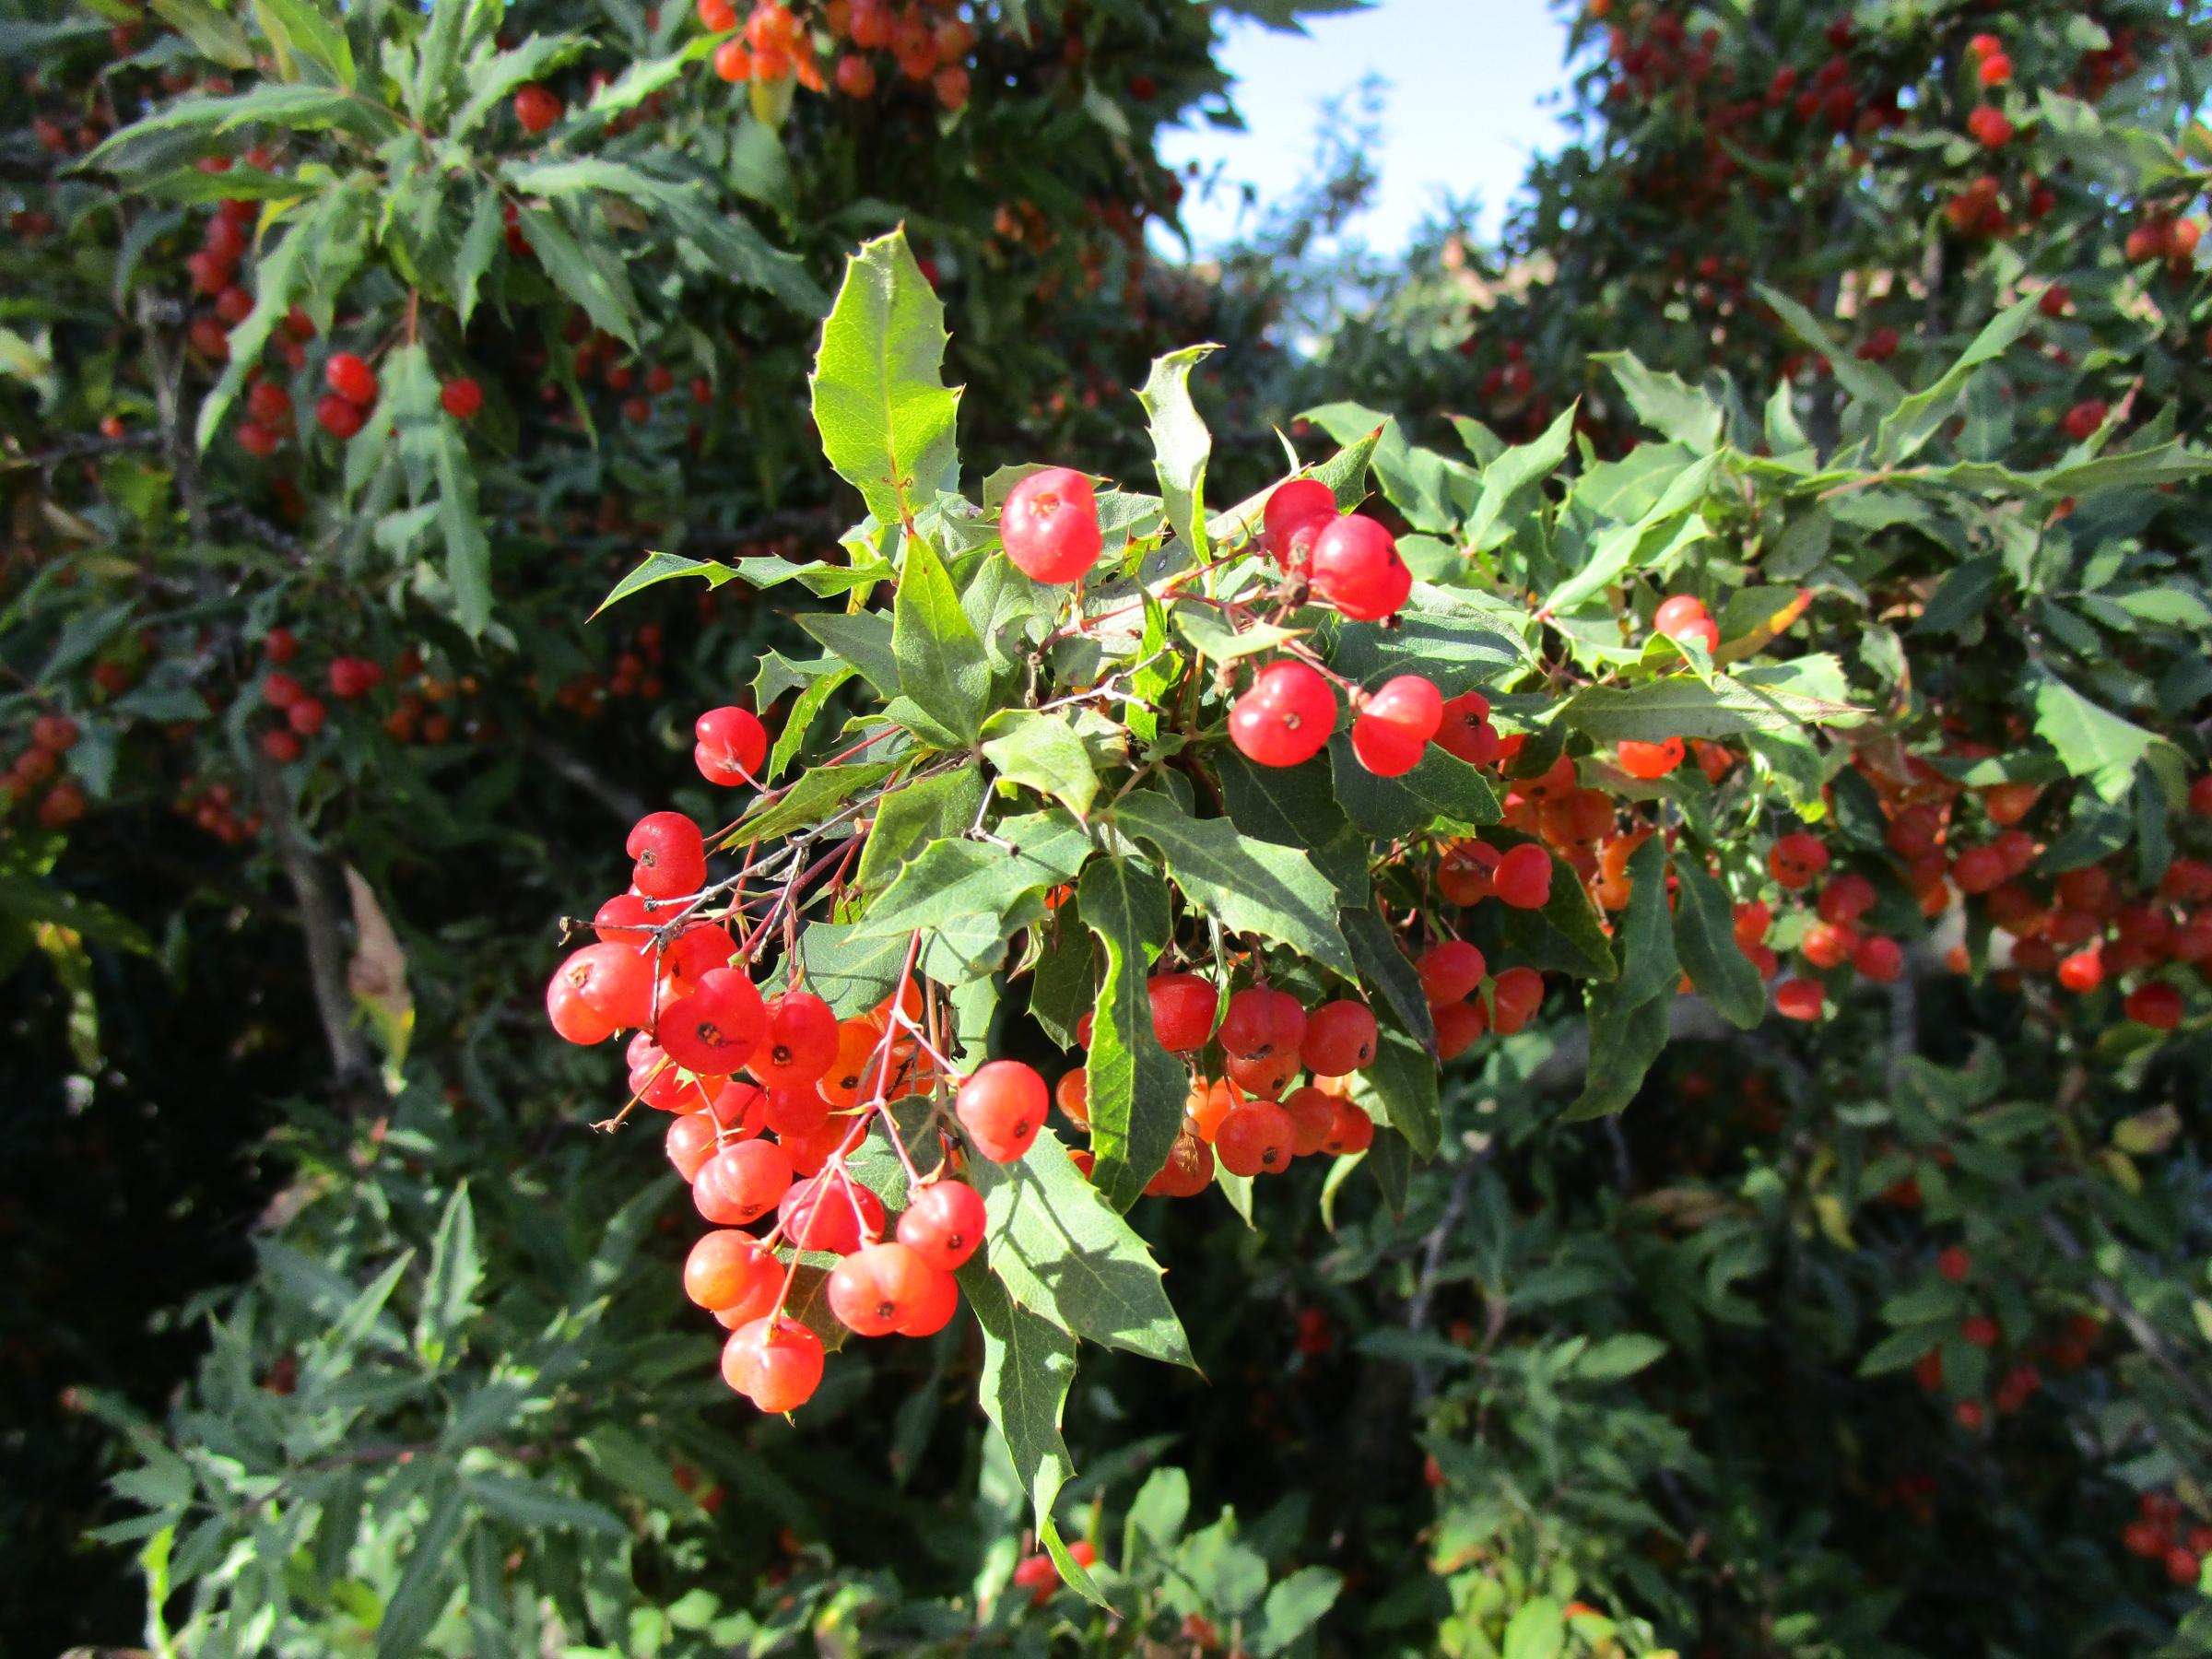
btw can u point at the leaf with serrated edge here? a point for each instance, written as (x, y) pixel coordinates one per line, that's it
(1249, 886)
(1136, 1089)
(1705, 941)
(1398, 1087)
(1042, 752)
(1063, 1252)
(1029, 1366)
(942, 664)
(1181, 445)
(880, 403)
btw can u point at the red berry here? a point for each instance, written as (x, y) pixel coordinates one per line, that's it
(734, 60)
(1797, 859)
(1519, 992)
(1356, 568)
(1979, 1331)
(281, 691)
(1649, 759)
(878, 1288)
(671, 855)
(616, 980)
(1340, 1039)
(1287, 716)
(1255, 1139)
(305, 716)
(1449, 971)
(1313, 1119)
(1261, 1024)
(1800, 999)
(933, 1308)
(2156, 1004)
(775, 1362)
(1002, 1106)
(690, 1142)
(728, 1269)
(1182, 1011)
(340, 419)
(1394, 727)
(1050, 525)
(832, 1212)
(856, 76)
(256, 439)
(351, 378)
(1954, 1264)
(1305, 504)
(945, 1223)
(741, 1184)
(281, 644)
(268, 402)
(1466, 730)
(1352, 1131)
(1522, 878)
(461, 397)
(1879, 958)
(282, 746)
(718, 1028)
(537, 108)
(799, 1044)
(732, 744)
(2082, 972)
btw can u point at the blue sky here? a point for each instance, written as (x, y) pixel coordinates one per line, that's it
(1461, 112)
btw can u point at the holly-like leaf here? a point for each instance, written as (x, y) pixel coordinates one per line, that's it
(2094, 743)
(1248, 886)
(1441, 790)
(1705, 942)
(1063, 1252)
(942, 669)
(885, 416)
(1683, 705)
(1137, 1089)
(970, 897)
(925, 809)
(1506, 480)
(813, 797)
(1029, 1366)
(849, 972)
(1675, 410)
(1644, 941)
(1439, 637)
(862, 639)
(1625, 1039)
(1297, 807)
(1384, 965)
(1042, 751)
(1181, 445)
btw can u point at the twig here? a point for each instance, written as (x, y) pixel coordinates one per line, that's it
(349, 1062)
(1432, 1258)
(571, 768)
(2146, 1335)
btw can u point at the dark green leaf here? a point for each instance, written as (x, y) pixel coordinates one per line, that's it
(1136, 1089)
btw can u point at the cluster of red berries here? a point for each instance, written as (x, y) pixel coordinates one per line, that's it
(2158, 1534)
(348, 677)
(928, 44)
(36, 771)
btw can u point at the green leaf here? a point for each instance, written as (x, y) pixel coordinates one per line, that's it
(799, 719)
(1384, 965)
(970, 897)
(1625, 1039)
(1042, 752)
(450, 1287)
(1294, 1605)
(1867, 384)
(535, 1504)
(1028, 1365)
(426, 1584)
(1399, 1087)
(1441, 791)
(1181, 445)
(1518, 470)
(885, 413)
(1611, 1359)
(852, 974)
(1682, 705)
(1065, 1254)
(299, 27)
(1645, 940)
(1437, 637)
(921, 810)
(492, 83)
(1217, 641)
(281, 277)
(812, 797)
(1251, 886)
(942, 666)
(862, 639)
(2094, 743)
(1654, 541)
(594, 280)
(467, 553)
(1136, 1089)
(479, 245)
(1536, 1630)
(1920, 415)
(1297, 807)
(1565, 935)
(1428, 489)
(1678, 412)
(626, 1460)
(1899, 1349)
(1705, 941)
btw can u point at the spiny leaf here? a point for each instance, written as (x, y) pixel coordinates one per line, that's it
(1137, 1089)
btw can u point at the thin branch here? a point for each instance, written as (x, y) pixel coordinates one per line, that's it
(2147, 1337)
(349, 1062)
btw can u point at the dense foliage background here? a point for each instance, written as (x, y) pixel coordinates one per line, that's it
(345, 1333)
